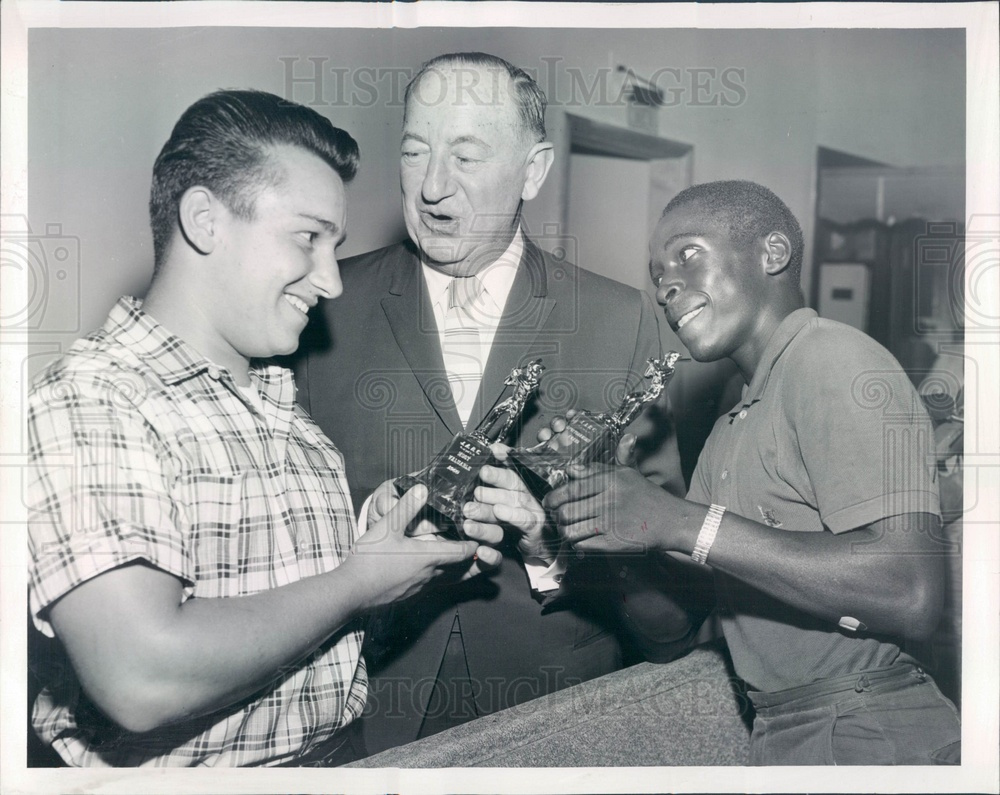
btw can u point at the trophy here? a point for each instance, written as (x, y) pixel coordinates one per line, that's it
(451, 477)
(593, 438)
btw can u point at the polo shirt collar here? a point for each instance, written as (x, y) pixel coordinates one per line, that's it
(787, 330)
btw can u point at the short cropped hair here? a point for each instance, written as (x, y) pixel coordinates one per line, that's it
(751, 211)
(531, 101)
(221, 142)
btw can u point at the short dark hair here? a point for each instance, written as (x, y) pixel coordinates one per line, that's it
(531, 100)
(222, 142)
(749, 210)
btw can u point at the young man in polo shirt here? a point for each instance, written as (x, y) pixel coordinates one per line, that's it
(822, 530)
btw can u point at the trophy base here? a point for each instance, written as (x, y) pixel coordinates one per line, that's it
(543, 469)
(450, 480)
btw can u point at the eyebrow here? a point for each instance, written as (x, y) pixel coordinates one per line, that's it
(679, 235)
(462, 139)
(470, 139)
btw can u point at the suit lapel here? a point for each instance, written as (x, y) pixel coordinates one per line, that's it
(524, 315)
(408, 309)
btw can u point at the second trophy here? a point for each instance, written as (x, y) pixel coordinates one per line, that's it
(590, 438)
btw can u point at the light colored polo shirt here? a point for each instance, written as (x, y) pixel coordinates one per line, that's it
(829, 436)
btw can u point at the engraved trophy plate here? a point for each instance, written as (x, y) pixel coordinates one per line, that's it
(590, 438)
(451, 477)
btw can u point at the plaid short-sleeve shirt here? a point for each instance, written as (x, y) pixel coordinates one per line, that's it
(141, 449)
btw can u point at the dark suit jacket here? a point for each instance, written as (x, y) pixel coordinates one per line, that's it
(372, 375)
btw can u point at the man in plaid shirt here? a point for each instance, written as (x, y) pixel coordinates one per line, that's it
(194, 551)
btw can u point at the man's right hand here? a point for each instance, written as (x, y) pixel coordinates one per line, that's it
(625, 453)
(390, 565)
(552, 433)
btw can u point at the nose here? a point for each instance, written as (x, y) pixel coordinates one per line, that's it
(437, 184)
(325, 277)
(667, 289)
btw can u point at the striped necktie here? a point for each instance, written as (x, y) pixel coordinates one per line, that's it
(461, 345)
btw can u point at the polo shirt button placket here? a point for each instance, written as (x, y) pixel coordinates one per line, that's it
(725, 487)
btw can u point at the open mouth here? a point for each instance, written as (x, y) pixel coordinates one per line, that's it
(689, 316)
(298, 303)
(439, 222)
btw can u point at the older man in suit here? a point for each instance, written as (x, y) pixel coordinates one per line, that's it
(418, 351)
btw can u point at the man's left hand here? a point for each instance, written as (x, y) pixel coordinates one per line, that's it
(502, 497)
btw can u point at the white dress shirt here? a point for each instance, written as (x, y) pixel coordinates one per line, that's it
(497, 280)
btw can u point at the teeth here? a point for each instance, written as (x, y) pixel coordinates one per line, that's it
(689, 317)
(298, 303)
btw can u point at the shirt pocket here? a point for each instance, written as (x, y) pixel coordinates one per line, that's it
(217, 517)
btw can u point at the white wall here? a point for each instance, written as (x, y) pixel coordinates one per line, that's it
(608, 211)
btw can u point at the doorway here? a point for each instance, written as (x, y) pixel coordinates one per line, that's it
(618, 183)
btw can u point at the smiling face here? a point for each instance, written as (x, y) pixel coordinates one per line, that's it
(465, 167)
(713, 292)
(269, 271)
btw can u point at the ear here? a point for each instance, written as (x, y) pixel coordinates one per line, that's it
(537, 169)
(777, 253)
(198, 217)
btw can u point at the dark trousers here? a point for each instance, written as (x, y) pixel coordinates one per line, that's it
(889, 716)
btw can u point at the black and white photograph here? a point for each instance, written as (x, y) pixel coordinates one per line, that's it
(577, 391)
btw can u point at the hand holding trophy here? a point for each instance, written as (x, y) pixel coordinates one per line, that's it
(451, 477)
(592, 438)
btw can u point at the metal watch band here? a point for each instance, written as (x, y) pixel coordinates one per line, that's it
(706, 536)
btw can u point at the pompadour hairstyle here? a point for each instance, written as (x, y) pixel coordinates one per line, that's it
(221, 142)
(531, 100)
(750, 211)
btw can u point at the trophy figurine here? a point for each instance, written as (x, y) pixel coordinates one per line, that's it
(593, 438)
(451, 477)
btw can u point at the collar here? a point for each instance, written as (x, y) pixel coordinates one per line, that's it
(497, 278)
(166, 354)
(782, 337)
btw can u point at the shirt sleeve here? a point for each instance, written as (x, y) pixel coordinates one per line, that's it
(98, 490)
(863, 437)
(700, 490)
